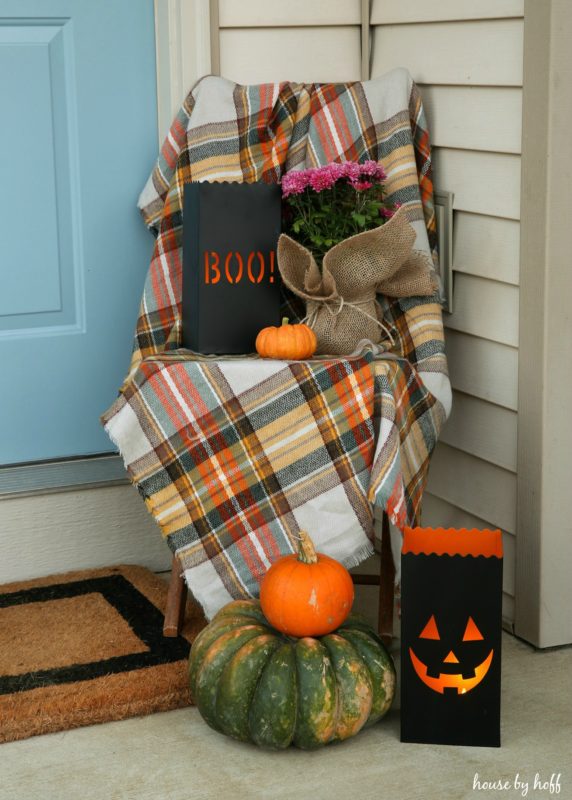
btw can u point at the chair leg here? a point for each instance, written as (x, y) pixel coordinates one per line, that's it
(385, 580)
(176, 601)
(386, 585)
(177, 594)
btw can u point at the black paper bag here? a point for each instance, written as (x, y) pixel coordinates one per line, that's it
(231, 286)
(451, 617)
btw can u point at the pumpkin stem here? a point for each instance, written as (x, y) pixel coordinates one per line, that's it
(284, 320)
(306, 549)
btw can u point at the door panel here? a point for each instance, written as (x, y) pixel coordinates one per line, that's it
(78, 138)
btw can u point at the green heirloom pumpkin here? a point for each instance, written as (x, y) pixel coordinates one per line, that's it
(255, 684)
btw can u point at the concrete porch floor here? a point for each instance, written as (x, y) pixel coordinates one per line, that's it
(175, 756)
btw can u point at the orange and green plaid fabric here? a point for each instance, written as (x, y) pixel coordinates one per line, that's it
(234, 457)
(217, 448)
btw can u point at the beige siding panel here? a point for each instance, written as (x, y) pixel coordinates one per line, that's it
(52, 533)
(482, 368)
(482, 429)
(275, 13)
(384, 12)
(438, 513)
(485, 308)
(474, 117)
(461, 53)
(262, 55)
(480, 488)
(484, 183)
(509, 563)
(508, 615)
(486, 246)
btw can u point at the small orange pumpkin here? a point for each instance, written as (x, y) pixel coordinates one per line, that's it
(286, 341)
(309, 594)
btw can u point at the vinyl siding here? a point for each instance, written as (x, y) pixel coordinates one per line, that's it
(474, 108)
(61, 531)
(262, 41)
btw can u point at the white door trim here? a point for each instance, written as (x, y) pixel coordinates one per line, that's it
(544, 502)
(183, 53)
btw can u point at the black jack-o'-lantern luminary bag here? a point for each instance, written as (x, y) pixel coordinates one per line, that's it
(451, 583)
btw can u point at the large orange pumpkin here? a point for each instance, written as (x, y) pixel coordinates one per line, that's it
(287, 341)
(308, 594)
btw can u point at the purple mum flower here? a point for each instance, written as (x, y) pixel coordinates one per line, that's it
(323, 178)
(373, 170)
(295, 182)
(351, 170)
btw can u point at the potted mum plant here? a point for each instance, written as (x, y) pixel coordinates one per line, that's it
(331, 203)
(344, 244)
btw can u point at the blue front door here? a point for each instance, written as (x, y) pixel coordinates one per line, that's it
(78, 137)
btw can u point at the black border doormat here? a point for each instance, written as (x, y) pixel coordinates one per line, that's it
(88, 647)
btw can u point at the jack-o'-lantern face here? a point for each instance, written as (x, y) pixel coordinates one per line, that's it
(452, 665)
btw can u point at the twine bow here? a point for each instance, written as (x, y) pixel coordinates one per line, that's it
(310, 318)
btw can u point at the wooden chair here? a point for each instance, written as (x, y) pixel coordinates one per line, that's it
(177, 594)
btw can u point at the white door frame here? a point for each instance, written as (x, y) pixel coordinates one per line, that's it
(544, 510)
(186, 51)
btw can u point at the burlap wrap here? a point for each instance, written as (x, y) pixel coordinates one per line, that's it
(341, 304)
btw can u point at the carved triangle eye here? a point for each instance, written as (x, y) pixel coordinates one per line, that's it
(472, 633)
(430, 630)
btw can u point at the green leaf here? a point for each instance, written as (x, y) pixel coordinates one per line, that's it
(359, 218)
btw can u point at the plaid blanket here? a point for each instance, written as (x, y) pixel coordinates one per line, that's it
(235, 457)
(233, 460)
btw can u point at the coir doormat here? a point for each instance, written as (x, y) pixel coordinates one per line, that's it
(88, 647)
